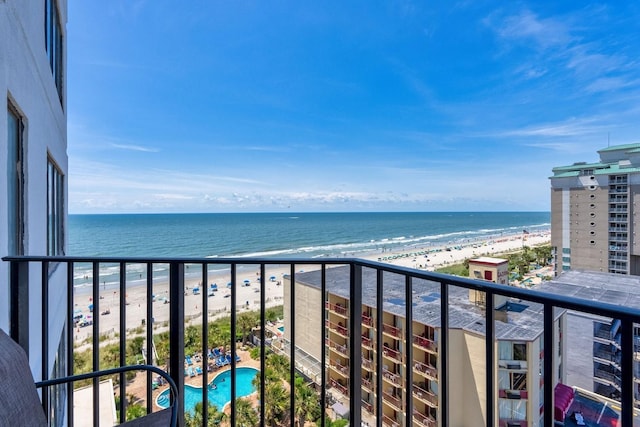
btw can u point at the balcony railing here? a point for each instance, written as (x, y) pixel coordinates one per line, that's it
(423, 420)
(425, 343)
(392, 330)
(337, 308)
(392, 354)
(366, 342)
(420, 391)
(344, 370)
(339, 348)
(425, 369)
(389, 422)
(35, 279)
(336, 327)
(392, 378)
(367, 320)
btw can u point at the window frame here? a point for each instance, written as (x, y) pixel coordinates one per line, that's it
(55, 209)
(53, 41)
(16, 179)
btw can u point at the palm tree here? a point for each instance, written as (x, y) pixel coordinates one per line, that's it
(246, 322)
(307, 406)
(246, 416)
(195, 417)
(279, 364)
(276, 403)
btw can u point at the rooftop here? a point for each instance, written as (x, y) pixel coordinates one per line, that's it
(523, 322)
(609, 288)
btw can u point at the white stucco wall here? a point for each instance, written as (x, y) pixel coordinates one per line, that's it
(26, 81)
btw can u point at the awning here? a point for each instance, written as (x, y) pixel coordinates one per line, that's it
(340, 410)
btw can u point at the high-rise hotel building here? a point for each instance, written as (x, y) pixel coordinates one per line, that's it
(593, 213)
(518, 347)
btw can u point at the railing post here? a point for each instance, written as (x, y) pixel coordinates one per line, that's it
(627, 385)
(443, 347)
(379, 339)
(19, 330)
(548, 364)
(355, 350)
(176, 332)
(408, 330)
(490, 359)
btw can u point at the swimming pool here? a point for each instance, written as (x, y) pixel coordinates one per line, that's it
(220, 395)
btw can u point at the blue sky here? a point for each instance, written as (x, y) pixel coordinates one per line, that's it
(252, 106)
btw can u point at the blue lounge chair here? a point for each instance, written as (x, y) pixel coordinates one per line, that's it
(188, 360)
(198, 370)
(227, 358)
(192, 372)
(237, 358)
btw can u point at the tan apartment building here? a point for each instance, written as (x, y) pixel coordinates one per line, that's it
(593, 213)
(518, 348)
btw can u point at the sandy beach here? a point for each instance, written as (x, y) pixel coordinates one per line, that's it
(248, 292)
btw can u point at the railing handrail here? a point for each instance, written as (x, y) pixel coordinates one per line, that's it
(600, 308)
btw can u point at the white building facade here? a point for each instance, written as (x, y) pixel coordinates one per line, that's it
(33, 172)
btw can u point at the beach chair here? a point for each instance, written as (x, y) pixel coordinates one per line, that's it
(188, 360)
(192, 372)
(21, 405)
(198, 370)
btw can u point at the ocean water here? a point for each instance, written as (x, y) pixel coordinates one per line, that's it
(285, 235)
(282, 235)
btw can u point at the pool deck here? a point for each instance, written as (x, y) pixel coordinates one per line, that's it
(137, 387)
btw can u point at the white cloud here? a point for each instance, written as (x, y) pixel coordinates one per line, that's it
(135, 148)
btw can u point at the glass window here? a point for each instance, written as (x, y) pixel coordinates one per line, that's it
(58, 395)
(519, 352)
(512, 409)
(15, 181)
(55, 210)
(53, 42)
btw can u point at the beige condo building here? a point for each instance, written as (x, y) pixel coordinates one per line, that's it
(593, 213)
(518, 347)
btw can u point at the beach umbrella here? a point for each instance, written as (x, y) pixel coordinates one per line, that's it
(272, 278)
(247, 281)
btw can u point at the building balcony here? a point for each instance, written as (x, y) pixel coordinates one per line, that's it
(390, 422)
(338, 328)
(394, 355)
(338, 309)
(420, 419)
(426, 370)
(421, 393)
(341, 349)
(175, 328)
(391, 331)
(339, 386)
(391, 377)
(367, 343)
(392, 400)
(367, 320)
(340, 368)
(367, 364)
(425, 343)
(367, 406)
(367, 385)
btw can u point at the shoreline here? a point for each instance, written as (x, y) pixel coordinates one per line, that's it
(424, 257)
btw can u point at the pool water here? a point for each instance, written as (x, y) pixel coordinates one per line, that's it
(218, 396)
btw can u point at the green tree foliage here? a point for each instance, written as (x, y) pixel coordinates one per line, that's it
(246, 415)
